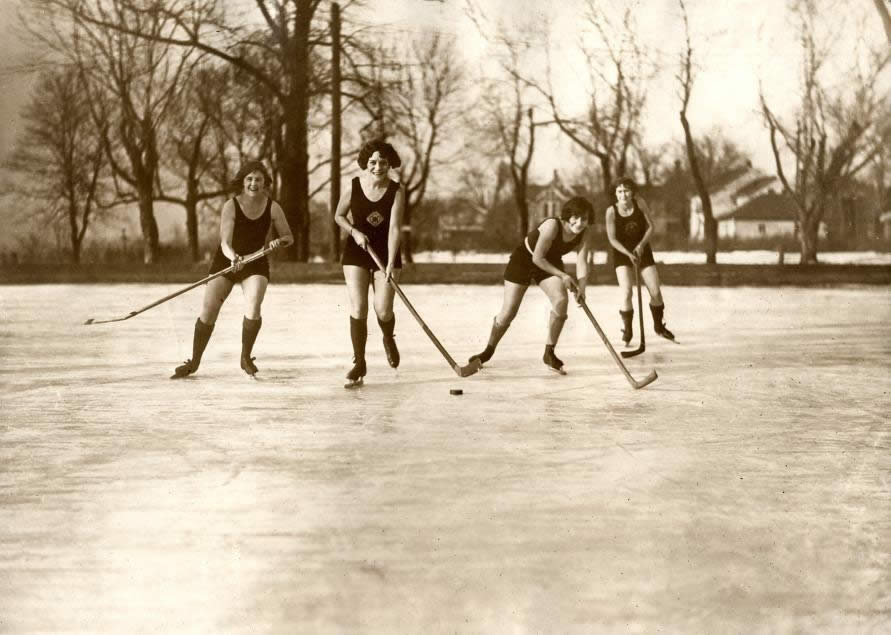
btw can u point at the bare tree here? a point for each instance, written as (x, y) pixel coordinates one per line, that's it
(830, 140)
(506, 126)
(618, 70)
(132, 83)
(60, 156)
(686, 77)
(413, 98)
(285, 58)
(885, 15)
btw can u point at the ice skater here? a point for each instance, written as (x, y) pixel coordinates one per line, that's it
(629, 228)
(244, 225)
(374, 204)
(539, 259)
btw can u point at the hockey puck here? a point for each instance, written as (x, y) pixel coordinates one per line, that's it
(456, 391)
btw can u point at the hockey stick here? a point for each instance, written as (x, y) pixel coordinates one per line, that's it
(649, 379)
(643, 342)
(462, 371)
(251, 258)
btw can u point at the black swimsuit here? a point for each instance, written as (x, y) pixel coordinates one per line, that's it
(520, 268)
(629, 231)
(248, 236)
(372, 218)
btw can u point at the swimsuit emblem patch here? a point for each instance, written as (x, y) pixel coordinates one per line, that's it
(631, 228)
(375, 218)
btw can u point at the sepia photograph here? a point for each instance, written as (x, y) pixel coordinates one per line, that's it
(445, 316)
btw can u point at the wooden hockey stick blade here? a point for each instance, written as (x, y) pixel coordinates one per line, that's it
(637, 351)
(609, 347)
(471, 369)
(222, 272)
(462, 371)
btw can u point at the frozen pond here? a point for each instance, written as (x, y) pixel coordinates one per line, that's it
(746, 490)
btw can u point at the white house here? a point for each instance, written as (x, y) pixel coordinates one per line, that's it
(740, 187)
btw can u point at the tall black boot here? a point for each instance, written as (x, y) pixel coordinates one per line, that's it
(627, 326)
(358, 336)
(495, 335)
(658, 311)
(199, 342)
(390, 341)
(555, 327)
(249, 331)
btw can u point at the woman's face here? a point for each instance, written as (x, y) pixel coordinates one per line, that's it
(254, 182)
(624, 193)
(378, 165)
(577, 224)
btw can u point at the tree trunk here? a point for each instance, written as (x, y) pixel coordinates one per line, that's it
(808, 237)
(295, 154)
(150, 243)
(72, 228)
(709, 224)
(192, 227)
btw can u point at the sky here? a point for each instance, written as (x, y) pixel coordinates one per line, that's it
(737, 43)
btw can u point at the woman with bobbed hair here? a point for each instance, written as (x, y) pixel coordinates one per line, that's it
(244, 225)
(629, 228)
(370, 211)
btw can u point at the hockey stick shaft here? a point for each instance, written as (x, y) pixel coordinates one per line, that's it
(631, 380)
(462, 371)
(223, 272)
(643, 342)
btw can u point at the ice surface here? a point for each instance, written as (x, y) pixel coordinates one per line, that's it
(746, 490)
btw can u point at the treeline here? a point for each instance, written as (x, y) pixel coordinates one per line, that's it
(143, 102)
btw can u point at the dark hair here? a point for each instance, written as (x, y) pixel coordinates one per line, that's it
(378, 145)
(627, 182)
(577, 206)
(246, 168)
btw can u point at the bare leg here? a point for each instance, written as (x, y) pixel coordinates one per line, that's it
(386, 318)
(357, 281)
(556, 292)
(254, 289)
(513, 296)
(215, 294)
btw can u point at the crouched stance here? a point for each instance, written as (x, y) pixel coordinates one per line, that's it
(244, 225)
(539, 259)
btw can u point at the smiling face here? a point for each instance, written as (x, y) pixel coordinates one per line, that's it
(254, 183)
(624, 194)
(577, 224)
(378, 166)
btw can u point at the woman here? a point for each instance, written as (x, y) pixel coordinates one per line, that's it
(628, 228)
(539, 259)
(244, 225)
(374, 204)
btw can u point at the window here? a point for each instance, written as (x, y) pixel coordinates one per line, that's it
(762, 229)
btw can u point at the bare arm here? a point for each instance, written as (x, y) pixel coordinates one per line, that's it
(227, 228)
(394, 235)
(282, 229)
(645, 210)
(546, 235)
(581, 263)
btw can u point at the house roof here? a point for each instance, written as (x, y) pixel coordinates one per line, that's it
(767, 207)
(753, 186)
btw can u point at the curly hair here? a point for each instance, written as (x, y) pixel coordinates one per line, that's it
(577, 206)
(378, 145)
(237, 184)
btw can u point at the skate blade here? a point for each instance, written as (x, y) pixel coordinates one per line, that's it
(354, 384)
(559, 371)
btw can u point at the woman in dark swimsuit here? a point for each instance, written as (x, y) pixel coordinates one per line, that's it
(539, 259)
(374, 203)
(244, 225)
(628, 228)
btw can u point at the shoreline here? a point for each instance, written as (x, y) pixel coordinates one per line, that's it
(719, 275)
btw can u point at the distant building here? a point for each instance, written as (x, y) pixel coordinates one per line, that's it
(463, 220)
(769, 215)
(735, 190)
